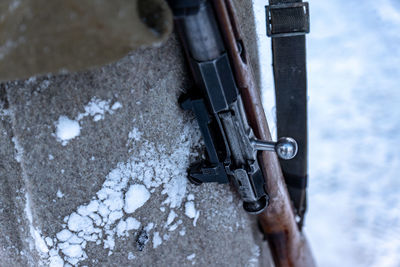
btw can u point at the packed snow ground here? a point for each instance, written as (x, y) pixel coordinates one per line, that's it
(353, 69)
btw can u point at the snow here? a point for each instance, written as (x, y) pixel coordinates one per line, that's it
(64, 235)
(191, 256)
(121, 228)
(67, 129)
(182, 232)
(59, 194)
(134, 135)
(75, 240)
(97, 108)
(171, 217)
(156, 240)
(73, 251)
(18, 149)
(109, 242)
(136, 196)
(196, 217)
(255, 255)
(78, 223)
(56, 261)
(353, 58)
(126, 188)
(49, 241)
(173, 227)
(190, 210)
(27, 209)
(132, 224)
(149, 227)
(116, 106)
(131, 256)
(40, 242)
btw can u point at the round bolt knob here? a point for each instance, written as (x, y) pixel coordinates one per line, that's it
(286, 148)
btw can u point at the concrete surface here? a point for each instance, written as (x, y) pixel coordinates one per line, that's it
(44, 182)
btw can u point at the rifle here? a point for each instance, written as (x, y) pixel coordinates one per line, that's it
(228, 108)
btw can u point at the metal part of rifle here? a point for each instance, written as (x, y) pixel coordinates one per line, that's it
(217, 104)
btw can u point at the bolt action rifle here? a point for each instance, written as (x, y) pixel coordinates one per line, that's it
(228, 108)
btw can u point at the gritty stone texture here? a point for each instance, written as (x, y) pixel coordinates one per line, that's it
(33, 163)
(13, 228)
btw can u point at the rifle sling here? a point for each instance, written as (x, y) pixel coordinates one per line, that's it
(288, 24)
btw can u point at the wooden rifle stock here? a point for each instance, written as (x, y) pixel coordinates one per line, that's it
(288, 244)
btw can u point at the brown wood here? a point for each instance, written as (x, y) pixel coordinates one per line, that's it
(288, 245)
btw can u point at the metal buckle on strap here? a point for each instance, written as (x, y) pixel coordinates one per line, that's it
(285, 20)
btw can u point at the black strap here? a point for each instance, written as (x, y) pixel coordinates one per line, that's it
(287, 24)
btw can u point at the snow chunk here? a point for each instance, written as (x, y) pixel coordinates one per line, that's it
(116, 105)
(109, 242)
(131, 256)
(196, 218)
(75, 240)
(39, 242)
(93, 206)
(96, 108)
(182, 232)
(67, 129)
(149, 227)
(114, 216)
(59, 194)
(173, 227)
(156, 240)
(171, 217)
(49, 241)
(191, 256)
(176, 190)
(136, 196)
(56, 261)
(121, 228)
(78, 223)
(190, 210)
(73, 251)
(64, 235)
(132, 223)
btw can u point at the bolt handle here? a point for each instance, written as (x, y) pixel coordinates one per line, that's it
(286, 147)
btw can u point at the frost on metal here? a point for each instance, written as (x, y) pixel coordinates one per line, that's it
(127, 188)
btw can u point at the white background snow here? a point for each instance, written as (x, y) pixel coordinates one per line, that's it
(354, 109)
